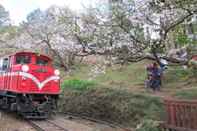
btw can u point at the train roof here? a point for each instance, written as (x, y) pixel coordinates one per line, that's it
(28, 52)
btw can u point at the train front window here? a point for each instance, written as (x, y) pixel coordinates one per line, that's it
(41, 61)
(23, 59)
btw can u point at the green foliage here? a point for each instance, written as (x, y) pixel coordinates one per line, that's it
(193, 72)
(148, 125)
(128, 75)
(193, 68)
(80, 71)
(79, 85)
(132, 76)
(176, 74)
(187, 94)
(182, 39)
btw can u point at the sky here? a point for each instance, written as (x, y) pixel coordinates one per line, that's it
(19, 9)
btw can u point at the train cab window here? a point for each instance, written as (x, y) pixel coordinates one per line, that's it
(23, 59)
(5, 65)
(41, 61)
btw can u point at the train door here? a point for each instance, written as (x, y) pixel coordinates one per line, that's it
(1, 75)
(5, 69)
(10, 75)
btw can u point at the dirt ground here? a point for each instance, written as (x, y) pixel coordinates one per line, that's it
(77, 124)
(10, 122)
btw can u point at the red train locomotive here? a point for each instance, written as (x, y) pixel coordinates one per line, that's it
(29, 84)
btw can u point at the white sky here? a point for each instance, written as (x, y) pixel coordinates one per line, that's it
(19, 9)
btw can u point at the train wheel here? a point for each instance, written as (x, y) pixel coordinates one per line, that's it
(4, 103)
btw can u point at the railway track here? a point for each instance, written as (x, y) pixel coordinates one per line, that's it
(109, 123)
(70, 122)
(46, 125)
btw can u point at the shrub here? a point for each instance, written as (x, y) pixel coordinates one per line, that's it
(177, 74)
(148, 125)
(187, 94)
(193, 68)
(79, 85)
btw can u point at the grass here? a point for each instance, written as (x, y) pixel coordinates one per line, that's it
(132, 76)
(177, 78)
(125, 76)
(80, 71)
(77, 84)
(187, 94)
(177, 74)
(129, 77)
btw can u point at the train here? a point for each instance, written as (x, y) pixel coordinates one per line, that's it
(29, 84)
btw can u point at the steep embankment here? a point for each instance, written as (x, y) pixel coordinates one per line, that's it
(117, 94)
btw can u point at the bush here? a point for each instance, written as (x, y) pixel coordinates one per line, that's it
(148, 125)
(79, 85)
(187, 94)
(117, 106)
(177, 74)
(193, 68)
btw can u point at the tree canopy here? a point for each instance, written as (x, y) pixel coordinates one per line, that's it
(4, 16)
(123, 30)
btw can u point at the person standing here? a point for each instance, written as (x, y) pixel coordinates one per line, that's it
(156, 77)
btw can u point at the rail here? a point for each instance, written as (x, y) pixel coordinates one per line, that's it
(181, 115)
(60, 121)
(46, 125)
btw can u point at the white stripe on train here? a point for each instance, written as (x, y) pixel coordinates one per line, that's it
(33, 78)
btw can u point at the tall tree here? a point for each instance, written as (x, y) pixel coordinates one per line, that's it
(48, 28)
(5, 29)
(4, 17)
(145, 26)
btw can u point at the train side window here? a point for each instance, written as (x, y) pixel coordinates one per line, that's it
(5, 65)
(23, 59)
(1, 64)
(41, 61)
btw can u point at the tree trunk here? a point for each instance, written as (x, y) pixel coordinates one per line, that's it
(63, 64)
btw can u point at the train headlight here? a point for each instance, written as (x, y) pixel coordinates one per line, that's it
(25, 68)
(56, 72)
